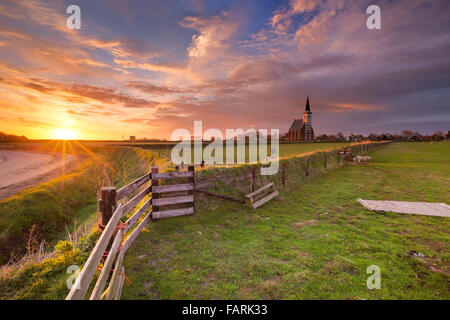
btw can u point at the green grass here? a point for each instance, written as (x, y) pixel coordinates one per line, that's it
(286, 149)
(289, 149)
(314, 242)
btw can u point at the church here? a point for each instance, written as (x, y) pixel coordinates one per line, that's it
(301, 130)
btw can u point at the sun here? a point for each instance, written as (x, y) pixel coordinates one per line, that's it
(65, 134)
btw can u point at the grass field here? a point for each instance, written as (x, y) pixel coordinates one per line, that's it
(313, 242)
(286, 149)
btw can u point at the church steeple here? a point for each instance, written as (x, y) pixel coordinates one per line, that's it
(307, 109)
(301, 130)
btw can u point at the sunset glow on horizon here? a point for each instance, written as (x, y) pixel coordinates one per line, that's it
(146, 68)
(65, 134)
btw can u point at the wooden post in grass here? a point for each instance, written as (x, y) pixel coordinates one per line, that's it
(283, 174)
(325, 162)
(191, 168)
(307, 167)
(107, 205)
(154, 171)
(253, 178)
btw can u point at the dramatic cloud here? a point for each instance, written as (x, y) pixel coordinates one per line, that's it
(136, 68)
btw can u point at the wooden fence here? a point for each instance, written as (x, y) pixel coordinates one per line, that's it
(293, 171)
(176, 199)
(116, 238)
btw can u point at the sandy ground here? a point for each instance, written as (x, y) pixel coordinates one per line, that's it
(22, 169)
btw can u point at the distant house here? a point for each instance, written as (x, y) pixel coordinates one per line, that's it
(132, 138)
(414, 137)
(359, 138)
(386, 136)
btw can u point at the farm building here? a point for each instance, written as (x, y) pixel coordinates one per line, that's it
(414, 137)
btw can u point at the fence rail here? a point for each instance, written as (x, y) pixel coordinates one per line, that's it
(114, 240)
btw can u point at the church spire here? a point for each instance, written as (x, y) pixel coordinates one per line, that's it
(307, 109)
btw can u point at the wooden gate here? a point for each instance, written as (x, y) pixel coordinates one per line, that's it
(176, 199)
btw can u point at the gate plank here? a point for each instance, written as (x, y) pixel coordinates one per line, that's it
(172, 213)
(172, 200)
(259, 190)
(173, 188)
(172, 175)
(264, 200)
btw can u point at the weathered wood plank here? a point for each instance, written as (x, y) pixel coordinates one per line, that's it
(135, 200)
(173, 188)
(104, 274)
(172, 213)
(264, 200)
(127, 243)
(118, 293)
(191, 169)
(263, 194)
(115, 276)
(81, 284)
(135, 217)
(172, 200)
(132, 186)
(250, 195)
(155, 182)
(173, 175)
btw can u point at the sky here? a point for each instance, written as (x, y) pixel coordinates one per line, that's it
(146, 68)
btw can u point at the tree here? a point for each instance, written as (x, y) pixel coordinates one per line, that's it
(322, 137)
(407, 133)
(438, 136)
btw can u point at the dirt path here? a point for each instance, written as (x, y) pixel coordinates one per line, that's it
(22, 169)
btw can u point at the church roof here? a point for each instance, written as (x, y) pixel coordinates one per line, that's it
(307, 109)
(296, 125)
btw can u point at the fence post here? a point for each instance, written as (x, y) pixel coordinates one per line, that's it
(253, 178)
(154, 170)
(307, 167)
(325, 162)
(107, 205)
(283, 174)
(191, 168)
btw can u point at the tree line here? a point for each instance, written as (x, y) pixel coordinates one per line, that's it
(405, 135)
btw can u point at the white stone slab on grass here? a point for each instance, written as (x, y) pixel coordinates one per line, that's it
(421, 208)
